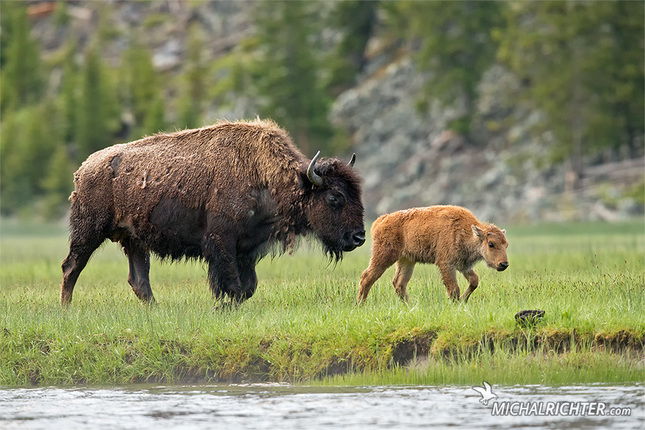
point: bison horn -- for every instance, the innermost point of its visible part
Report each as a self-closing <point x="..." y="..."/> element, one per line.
<point x="352" y="160"/>
<point x="311" y="175"/>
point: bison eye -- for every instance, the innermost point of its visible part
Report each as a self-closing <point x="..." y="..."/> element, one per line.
<point x="335" y="200"/>
<point x="490" y="245"/>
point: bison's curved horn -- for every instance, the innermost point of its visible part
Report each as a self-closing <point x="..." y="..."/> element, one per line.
<point x="311" y="175"/>
<point x="352" y="160"/>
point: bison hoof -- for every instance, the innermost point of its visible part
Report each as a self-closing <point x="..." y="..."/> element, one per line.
<point x="226" y="305"/>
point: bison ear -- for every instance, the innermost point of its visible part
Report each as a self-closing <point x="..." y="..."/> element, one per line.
<point x="478" y="232"/>
<point x="504" y="231"/>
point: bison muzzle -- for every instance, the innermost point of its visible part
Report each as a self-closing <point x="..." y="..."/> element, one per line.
<point x="227" y="194"/>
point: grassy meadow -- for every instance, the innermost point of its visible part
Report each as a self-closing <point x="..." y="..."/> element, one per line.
<point x="303" y="325"/>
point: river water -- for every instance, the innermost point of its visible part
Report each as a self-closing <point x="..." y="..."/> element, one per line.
<point x="278" y="406"/>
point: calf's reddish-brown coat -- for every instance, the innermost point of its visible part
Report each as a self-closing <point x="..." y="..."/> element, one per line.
<point x="448" y="236"/>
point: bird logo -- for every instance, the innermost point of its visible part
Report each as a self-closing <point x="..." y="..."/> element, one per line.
<point x="486" y="392"/>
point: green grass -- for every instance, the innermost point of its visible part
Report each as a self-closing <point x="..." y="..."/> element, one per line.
<point x="302" y="325"/>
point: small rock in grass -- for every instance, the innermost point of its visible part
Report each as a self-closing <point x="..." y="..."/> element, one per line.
<point x="529" y="317"/>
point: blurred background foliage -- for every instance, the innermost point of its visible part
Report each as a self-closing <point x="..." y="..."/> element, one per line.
<point x="580" y="63"/>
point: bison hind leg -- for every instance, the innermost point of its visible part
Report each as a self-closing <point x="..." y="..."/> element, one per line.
<point x="81" y="248"/>
<point x="404" y="269"/>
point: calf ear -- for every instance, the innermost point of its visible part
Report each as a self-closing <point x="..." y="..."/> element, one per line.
<point x="504" y="232"/>
<point x="477" y="231"/>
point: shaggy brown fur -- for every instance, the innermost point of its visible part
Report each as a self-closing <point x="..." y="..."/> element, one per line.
<point x="448" y="236"/>
<point x="223" y="193"/>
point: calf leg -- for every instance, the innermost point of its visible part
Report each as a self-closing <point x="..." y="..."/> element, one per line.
<point x="449" y="277"/>
<point x="404" y="269"/>
<point x="378" y="265"/>
<point x="138" y="278"/>
<point x="473" y="282"/>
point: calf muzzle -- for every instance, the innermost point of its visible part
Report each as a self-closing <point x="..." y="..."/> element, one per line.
<point x="502" y="266"/>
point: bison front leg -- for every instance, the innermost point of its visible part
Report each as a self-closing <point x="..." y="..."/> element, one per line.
<point x="248" y="278"/>
<point x="473" y="282"/>
<point x="139" y="276"/>
<point x="378" y="265"/>
<point x="449" y="277"/>
<point x="223" y="273"/>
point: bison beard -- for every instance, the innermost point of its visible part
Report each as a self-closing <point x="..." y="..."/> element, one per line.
<point x="226" y="193"/>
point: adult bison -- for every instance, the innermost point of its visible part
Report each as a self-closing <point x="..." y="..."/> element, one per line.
<point x="224" y="193"/>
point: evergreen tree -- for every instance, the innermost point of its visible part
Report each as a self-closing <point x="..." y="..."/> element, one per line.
<point x="28" y="139"/>
<point x="568" y="54"/>
<point x="356" y="19"/>
<point x="57" y="183"/>
<point x="142" y="88"/>
<point x="286" y="72"/>
<point x="22" y="82"/>
<point x="6" y="18"/>
<point x="69" y="92"/>
<point x="98" y="110"/>
<point x="622" y="94"/>
<point x="191" y="102"/>
<point x="155" y="117"/>
<point x="15" y="188"/>
<point x="455" y="46"/>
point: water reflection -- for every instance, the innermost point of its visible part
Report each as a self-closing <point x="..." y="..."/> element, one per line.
<point x="285" y="406"/>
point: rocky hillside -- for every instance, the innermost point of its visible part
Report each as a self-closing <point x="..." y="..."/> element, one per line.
<point x="410" y="158"/>
<point x="407" y="158"/>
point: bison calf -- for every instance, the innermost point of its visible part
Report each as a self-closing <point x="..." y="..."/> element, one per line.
<point x="448" y="236"/>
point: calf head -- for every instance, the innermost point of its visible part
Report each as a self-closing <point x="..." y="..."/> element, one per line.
<point x="492" y="246"/>
<point x="334" y="209"/>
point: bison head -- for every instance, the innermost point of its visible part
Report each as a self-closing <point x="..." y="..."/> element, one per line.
<point x="334" y="209"/>
<point x="493" y="244"/>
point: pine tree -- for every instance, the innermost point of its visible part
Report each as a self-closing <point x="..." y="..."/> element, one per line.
<point x="455" y="46"/>
<point x="286" y="72"/>
<point x="98" y="110"/>
<point x="356" y="19"/>
<point x="15" y="188"/>
<point x="22" y="82"/>
<point x="142" y="88"/>
<point x="57" y="182"/>
<point x="569" y="55"/>
<point x="28" y="139"/>
<point x="155" y="117"/>
<point x="622" y="93"/>
<point x="191" y="102"/>
<point x="69" y="92"/>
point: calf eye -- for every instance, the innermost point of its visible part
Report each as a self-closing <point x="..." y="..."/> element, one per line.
<point x="490" y="245"/>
